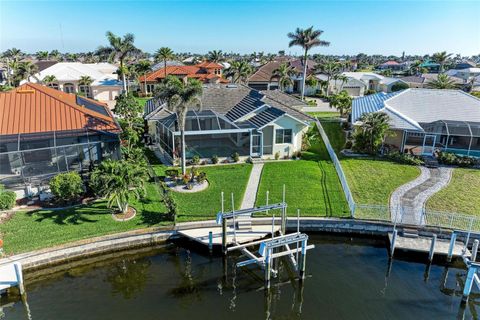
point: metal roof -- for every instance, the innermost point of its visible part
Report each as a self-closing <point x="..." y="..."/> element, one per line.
<point x="370" y="103"/>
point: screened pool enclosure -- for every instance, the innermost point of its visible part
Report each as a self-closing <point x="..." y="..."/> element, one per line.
<point x="460" y="137"/>
<point x="33" y="157"/>
<point x="208" y="133"/>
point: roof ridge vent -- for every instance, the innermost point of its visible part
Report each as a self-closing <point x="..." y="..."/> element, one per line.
<point x="26" y="91"/>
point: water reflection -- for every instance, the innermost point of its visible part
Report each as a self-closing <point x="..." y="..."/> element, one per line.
<point x="128" y="277"/>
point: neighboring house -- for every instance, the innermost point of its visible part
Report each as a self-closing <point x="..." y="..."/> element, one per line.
<point x="465" y="65"/>
<point x="421" y="81"/>
<point x="234" y="118"/>
<point x="465" y="74"/>
<point x="360" y="82"/>
<point x="431" y="66"/>
<point x="44" y="131"/>
<point x="44" y="64"/>
<point x="170" y="63"/>
<point x="427" y="120"/>
<point x="392" y="65"/>
<point x="263" y="78"/>
<point x="105" y="86"/>
<point x="206" y="72"/>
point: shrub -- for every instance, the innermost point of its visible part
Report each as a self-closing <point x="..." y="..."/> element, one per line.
<point x="277" y="155"/>
<point x="404" y="158"/>
<point x="399" y="86"/>
<point x="453" y="159"/>
<point x="194" y="171"/>
<point x="196" y="159"/>
<point x="249" y="160"/>
<point x="186" y="178"/>
<point x="7" y="199"/>
<point x="66" y="187"/>
<point x="236" y="157"/>
<point x="369" y="92"/>
<point x="202" y="177"/>
<point x="348" y="144"/>
<point x="215" y="159"/>
<point x="172" y="173"/>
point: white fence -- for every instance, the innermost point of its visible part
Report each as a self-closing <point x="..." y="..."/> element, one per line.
<point x="338" y="168"/>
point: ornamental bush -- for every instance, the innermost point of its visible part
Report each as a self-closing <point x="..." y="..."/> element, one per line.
<point x="405" y="158"/>
<point x="453" y="159"/>
<point x="66" y="187"/>
<point x="7" y="199"/>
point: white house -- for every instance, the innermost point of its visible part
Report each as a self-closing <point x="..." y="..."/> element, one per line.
<point x="234" y="118"/>
<point x="105" y="86"/>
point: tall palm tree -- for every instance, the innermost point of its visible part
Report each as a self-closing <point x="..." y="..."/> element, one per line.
<point x="164" y="54"/>
<point x="55" y="55"/>
<point x="142" y="68"/>
<point x="441" y="58"/>
<point x="239" y="71"/>
<point x="442" y="82"/>
<point x="180" y="97"/>
<point x="26" y="69"/>
<point x="119" y="49"/>
<point x="307" y="39"/>
<point x="49" y="80"/>
<point x="331" y="69"/>
<point x="42" y="55"/>
<point x="284" y="74"/>
<point x="215" y="56"/>
<point x="14" y="54"/>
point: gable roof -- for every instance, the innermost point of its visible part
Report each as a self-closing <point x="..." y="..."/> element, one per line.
<point x="33" y="108"/>
<point x="199" y="71"/>
<point x="265" y="72"/>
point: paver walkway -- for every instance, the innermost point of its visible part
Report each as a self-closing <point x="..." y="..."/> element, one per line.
<point x="411" y="197"/>
<point x="252" y="186"/>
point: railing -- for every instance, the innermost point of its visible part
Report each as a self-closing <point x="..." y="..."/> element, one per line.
<point x="338" y="168"/>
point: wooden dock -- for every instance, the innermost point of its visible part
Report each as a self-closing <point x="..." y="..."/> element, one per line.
<point x="256" y="232"/>
<point x="11" y="276"/>
<point x="423" y="244"/>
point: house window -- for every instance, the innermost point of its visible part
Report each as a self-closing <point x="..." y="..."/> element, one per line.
<point x="53" y="85"/>
<point x="69" y="88"/>
<point x="150" y="87"/>
<point x="85" y="90"/>
<point x="283" y="136"/>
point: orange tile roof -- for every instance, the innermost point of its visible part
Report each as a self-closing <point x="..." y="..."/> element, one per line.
<point x="34" y="108"/>
<point x="199" y="71"/>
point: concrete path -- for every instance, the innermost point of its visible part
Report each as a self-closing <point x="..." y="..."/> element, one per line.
<point x="252" y="186"/>
<point x="412" y="196"/>
<point x="321" y="106"/>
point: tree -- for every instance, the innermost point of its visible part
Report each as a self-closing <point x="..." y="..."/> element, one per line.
<point x="164" y="54"/>
<point x="84" y="84"/>
<point x="284" y="74"/>
<point x="181" y="97"/>
<point x="26" y="69"/>
<point x="342" y="102"/>
<point x="42" y="55"/>
<point x="55" y="55"/>
<point x="66" y="187"/>
<point x="49" y="79"/>
<point x="370" y="134"/>
<point x="441" y="58"/>
<point x="215" y="56"/>
<point x="142" y="68"/>
<point x="119" y="182"/>
<point x="239" y="71"/>
<point x="119" y="49"/>
<point x="330" y="69"/>
<point x="399" y="86"/>
<point x="307" y="39"/>
<point x="129" y="111"/>
<point x="442" y="82"/>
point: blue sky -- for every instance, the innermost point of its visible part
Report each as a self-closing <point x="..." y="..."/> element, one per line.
<point x="383" y="27"/>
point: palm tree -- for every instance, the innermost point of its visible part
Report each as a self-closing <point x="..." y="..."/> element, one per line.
<point x="14" y="54"/>
<point x="164" y="54"/>
<point x="342" y="102"/>
<point x="26" y="69"/>
<point x="442" y="82"/>
<point x="180" y="97"/>
<point x="55" y="54"/>
<point x="42" y="55"/>
<point x="331" y="69"/>
<point x="215" y="56"/>
<point x="49" y="80"/>
<point x="119" y="49"/>
<point x="142" y="68"/>
<point x="372" y="131"/>
<point x="307" y="39"/>
<point x="119" y="182"/>
<point x="84" y="85"/>
<point x="441" y="58"/>
<point x="284" y="74"/>
<point x="239" y="71"/>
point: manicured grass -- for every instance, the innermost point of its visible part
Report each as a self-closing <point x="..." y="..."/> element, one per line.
<point x="28" y="231"/>
<point x="462" y="195"/>
<point x="335" y="134"/>
<point x="373" y="181"/>
<point x="141" y="101"/>
<point x="206" y="204"/>
<point x="325" y="115"/>
<point x="311" y="184"/>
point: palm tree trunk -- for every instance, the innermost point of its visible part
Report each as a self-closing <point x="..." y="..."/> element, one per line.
<point x="184" y="160"/>
<point x="123" y="76"/>
<point x="304" y="74"/>
<point x="165" y="68"/>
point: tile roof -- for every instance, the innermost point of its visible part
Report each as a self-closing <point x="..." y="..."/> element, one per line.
<point x="33" y="108"/>
<point x="200" y="71"/>
<point x="265" y="72"/>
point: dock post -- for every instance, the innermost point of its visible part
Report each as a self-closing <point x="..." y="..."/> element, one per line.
<point x="432" y="248"/>
<point x="18" y="273"/>
<point x="210" y="242"/>
<point x="452" y="245"/>
<point x="392" y="244"/>
<point x="224" y="236"/>
<point x="268" y="268"/>
<point x="468" y="283"/>
<point x="303" y="260"/>
<point x="475" y="250"/>
<point x="284" y="213"/>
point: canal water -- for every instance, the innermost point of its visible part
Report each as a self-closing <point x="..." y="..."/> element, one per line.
<point x="348" y="278"/>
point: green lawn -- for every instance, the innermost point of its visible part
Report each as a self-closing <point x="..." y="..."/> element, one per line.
<point x="325" y="115"/>
<point x="28" y="231"/>
<point x="311" y="184"/>
<point x="141" y="101"/>
<point x="373" y="181"/>
<point x="462" y="195"/>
